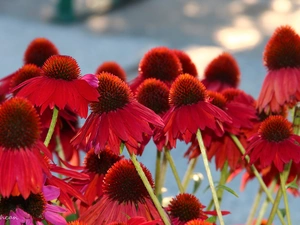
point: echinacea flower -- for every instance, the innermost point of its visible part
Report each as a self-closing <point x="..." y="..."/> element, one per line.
<point x="116" y="118"/>
<point x="222" y="73"/>
<point x="186" y="62"/>
<point x="198" y="222"/>
<point x="191" y="110"/>
<point x="59" y="86"/>
<point x="154" y="94"/>
<point x="185" y="207"/>
<point x="124" y="196"/>
<point x="38" y="51"/>
<point x="24" y="73"/>
<point x="34" y="209"/>
<point x="160" y="63"/>
<point x="274" y="143"/>
<point x="113" y="68"/>
<point x="282" y="82"/>
<point x="20" y="145"/>
<point x="138" y="220"/>
<point x="96" y="166"/>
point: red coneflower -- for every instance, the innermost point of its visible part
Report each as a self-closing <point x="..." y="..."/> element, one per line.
<point x="274" y="143"/>
<point x="185" y="207"/>
<point x="34" y="209"/>
<point x="198" y="222"/>
<point x="124" y="196"/>
<point x="116" y="118"/>
<point x="221" y="73"/>
<point x="187" y="64"/>
<point x="20" y="145"/>
<point x="38" y="51"/>
<point x="96" y="166"/>
<point x="282" y="82"/>
<point x="154" y="94"/>
<point x="26" y="72"/>
<point x="160" y="63"/>
<point x="59" y="86"/>
<point x="191" y="110"/>
<point x="113" y="68"/>
<point x="138" y="220"/>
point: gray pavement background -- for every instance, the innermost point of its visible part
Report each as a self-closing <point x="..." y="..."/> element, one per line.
<point x="202" y="28"/>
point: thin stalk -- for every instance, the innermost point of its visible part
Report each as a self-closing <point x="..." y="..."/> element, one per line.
<point x="52" y="126"/>
<point x="188" y="173"/>
<point x="164" y="167"/>
<point x="283" y="178"/>
<point x="265" y="205"/>
<point x="257" y="175"/>
<point x="149" y="189"/>
<point x="209" y="176"/>
<point x="157" y="172"/>
<point x="254" y="206"/>
<point x="275" y="207"/>
<point x="222" y="181"/>
<point x="174" y="170"/>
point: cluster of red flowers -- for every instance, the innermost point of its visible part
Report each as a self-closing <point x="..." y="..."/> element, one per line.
<point x="40" y="136"/>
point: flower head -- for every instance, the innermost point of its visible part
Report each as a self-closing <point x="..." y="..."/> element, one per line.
<point x="185" y="207"/>
<point x="113" y="68"/>
<point x="35" y="208"/>
<point x="274" y="143"/>
<point x="59" y="86"/>
<point x="186" y="62"/>
<point x="125" y="196"/>
<point x="282" y="59"/>
<point x="38" y="51"/>
<point x="198" y="222"/>
<point x="20" y="145"/>
<point x="25" y="73"/>
<point x="160" y="63"/>
<point x="96" y="166"/>
<point x="221" y="73"/>
<point x="190" y="110"/>
<point x="154" y="94"/>
<point x="116" y="118"/>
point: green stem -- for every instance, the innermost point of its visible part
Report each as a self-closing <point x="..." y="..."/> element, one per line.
<point x="188" y="173"/>
<point x="254" y="206"/>
<point x="52" y="126"/>
<point x="157" y="172"/>
<point x="142" y="175"/>
<point x="174" y="170"/>
<point x="257" y="175"/>
<point x="265" y="204"/>
<point x="164" y="167"/>
<point x="296" y="120"/>
<point x="222" y="181"/>
<point x="209" y="177"/>
<point x="275" y="207"/>
<point x="283" y="178"/>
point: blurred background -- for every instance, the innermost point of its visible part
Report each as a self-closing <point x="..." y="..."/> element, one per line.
<point x="94" y="31"/>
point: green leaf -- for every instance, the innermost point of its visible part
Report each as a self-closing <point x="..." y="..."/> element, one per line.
<point x="227" y="189"/>
<point x="283" y="212"/>
<point x="215" y="183"/>
<point x="212" y="219"/>
<point x="293" y="184"/>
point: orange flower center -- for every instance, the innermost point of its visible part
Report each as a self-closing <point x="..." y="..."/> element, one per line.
<point x="154" y="94"/>
<point x="186" y="207"/>
<point x="123" y="184"/>
<point x="114" y="94"/>
<point x="275" y="129"/>
<point x="61" y="67"/>
<point x="19" y="124"/>
<point x="187" y="90"/>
